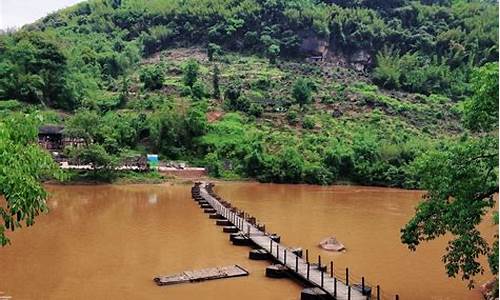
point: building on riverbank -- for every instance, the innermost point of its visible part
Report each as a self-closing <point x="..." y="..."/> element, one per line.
<point x="52" y="138"/>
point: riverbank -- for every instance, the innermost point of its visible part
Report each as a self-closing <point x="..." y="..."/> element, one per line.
<point x="85" y="177"/>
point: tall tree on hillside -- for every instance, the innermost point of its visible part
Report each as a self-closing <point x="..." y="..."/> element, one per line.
<point x="302" y="92"/>
<point x="461" y="178"/>
<point x="191" y="69"/>
<point x="215" y="81"/>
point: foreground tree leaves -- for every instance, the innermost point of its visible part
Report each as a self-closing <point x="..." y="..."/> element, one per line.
<point x="23" y="165"/>
<point x="461" y="178"/>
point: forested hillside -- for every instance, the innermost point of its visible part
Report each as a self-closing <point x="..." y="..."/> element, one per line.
<point x="283" y="91"/>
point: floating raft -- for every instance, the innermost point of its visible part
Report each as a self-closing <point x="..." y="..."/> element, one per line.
<point x="201" y="275"/>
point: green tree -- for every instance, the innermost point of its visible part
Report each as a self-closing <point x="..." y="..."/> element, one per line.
<point x="481" y="111"/>
<point x="255" y="110"/>
<point x="102" y="162"/>
<point x="198" y="91"/>
<point x="23" y="165"/>
<point x="191" y="69"/>
<point x="34" y="68"/>
<point x="388" y="69"/>
<point x="302" y="91"/>
<point x="83" y="124"/>
<point x="308" y="122"/>
<point x="273" y="51"/>
<point x="215" y="82"/>
<point x="213" y="50"/>
<point x="152" y="77"/>
<point x="461" y="178"/>
<point x="97" y="157"/>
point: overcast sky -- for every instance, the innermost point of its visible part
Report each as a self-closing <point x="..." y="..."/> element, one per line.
<point x="19" y="12"/>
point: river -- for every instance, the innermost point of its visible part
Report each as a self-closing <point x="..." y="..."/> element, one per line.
<point x="108" y="242"/>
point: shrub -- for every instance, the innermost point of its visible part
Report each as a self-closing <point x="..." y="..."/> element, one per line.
<point x="190" y="69"/>
<point x="213" y="50"/>
<point x="388" y="69"/>
<point x="292" y="117"/>
<point x="10" y="105"/>
<point x="152" y="77"/>
<point x="185" y="91"/>
<point x="198" y="91"/>
<point x="308" y="122"/>
<point x="242" y="103"/>
<point x="302" y="91"/>
<point x="255" y="110"/>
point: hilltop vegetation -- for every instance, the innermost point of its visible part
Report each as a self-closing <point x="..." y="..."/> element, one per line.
<point x="226" y="84"/>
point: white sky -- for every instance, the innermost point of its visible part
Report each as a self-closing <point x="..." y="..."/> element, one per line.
<point x="15" y="13"/>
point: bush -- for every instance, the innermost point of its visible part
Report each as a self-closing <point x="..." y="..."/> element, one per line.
<point x="308" y="122"/>
<point x="317" y="174"/>
<point x="293" y="117"/>
<point x="242" y="103"/>
<point x="255" y="110"/>
<point x="10" y="105"/>
<point x="213" y="50"/>
<point x="302" y="91"/>
<point x="152" y="77"/>
<point x="214" y="165"/>
<point x="198" y="91"/>
<point x="387" y="73"/>
<point x="262" y="83"/>
<point x="190" y="69"/>
<point x="185" y="91"/>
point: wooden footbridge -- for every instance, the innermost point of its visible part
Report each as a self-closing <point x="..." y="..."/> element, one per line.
<point x="315" y="275"/>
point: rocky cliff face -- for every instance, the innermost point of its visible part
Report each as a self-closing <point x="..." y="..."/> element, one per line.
<point x="360" y="60"/>
<point x="319" y="48"/>
<point x="314" y="46"/>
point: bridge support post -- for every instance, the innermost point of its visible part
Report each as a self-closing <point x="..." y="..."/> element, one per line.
<point x="397" y="297"/>
<point x="363" y="285"/>
<point x="349" y="293"/>
<point x="307" y="255"/>
<point x="284" y="253"/>
<point x="319" y="262"/>
<point x="331" y="268"/>
<point x="346" y="276"/>
<point x="378" y="292"/>
<point x="278" y="252"/>
<point x="296" y="264"/>
<point x="308" y="266"/>
<point x="322" y="275"/>
<point x="271" y="246"/>
<point x="335" y="288"/>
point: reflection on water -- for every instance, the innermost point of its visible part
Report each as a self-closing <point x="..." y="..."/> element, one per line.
<point x="102" y="242"/>
<point x="152" y="198"/>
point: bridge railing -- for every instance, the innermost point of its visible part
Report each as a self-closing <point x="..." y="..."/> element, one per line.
<point x="344" y="276"/>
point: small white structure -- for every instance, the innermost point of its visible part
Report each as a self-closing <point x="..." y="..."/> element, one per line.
<point x="331" y="244"/>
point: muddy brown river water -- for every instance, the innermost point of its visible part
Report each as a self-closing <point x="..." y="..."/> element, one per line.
<point x="108" y="242"/>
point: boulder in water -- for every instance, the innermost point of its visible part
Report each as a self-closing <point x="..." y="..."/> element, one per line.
<point x="331" y="244"/>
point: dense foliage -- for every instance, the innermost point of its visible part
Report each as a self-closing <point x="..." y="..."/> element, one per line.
<point x="86" y="59"/>
<point x="418" y="46"/>
<point x="461" y="177"/>
<point x="24" y="165"/>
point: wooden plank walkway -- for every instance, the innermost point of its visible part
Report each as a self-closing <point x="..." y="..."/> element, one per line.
<point x="201" y="275"/>
<point x="335" y="288"/>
